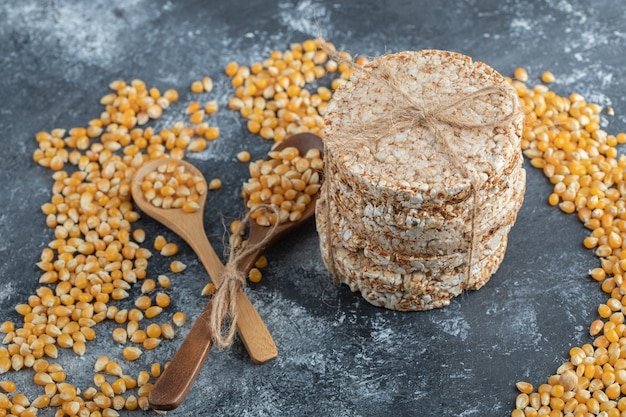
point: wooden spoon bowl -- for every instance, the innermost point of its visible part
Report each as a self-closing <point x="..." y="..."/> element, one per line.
<point x="303" y="142"/>
<point x="176" y="381"/>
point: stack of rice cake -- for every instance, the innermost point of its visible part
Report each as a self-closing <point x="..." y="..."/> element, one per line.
<point x="407" y="220"/>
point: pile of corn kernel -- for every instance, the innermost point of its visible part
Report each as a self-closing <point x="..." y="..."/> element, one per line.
<point x="287" y="180"/>
<point x="171" y="186"/>
<point x="562" y="136"/>
<point x="275" y="96"/>
<point x="96" y="257"/>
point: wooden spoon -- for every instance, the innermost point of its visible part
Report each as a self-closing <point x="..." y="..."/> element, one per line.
<point x="303" y="142"/>
<point x="176" y="381"/>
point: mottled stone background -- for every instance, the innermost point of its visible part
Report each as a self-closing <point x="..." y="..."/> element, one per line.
<point x="339" y="356"/>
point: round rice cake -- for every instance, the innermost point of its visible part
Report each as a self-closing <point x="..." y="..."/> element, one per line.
<point x="392" y="189"/>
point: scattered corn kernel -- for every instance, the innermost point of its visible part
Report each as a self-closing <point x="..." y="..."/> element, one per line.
<point x="197" y="87"/>
<point x="164" y="281"/>
<point x="177" y="266"/>
<point x="243" y="156"/>
<point x="547" y="77"/>
<point x="179" y="318"/>
<point x="215" y="184"/>
<point x="211" y="107"/>
<point x="132" y="353"/>
<point x="120" y="335"/>
<point x="169" y="249"/>
<point x="162" y="300"/>
<point x="261" y="262"/>
<point x="271" y="94"/>
<point x="153" y="311"/>
<point x="255" y="275"/>
<point x="520" y="74"/>
<point x="562" y="136"/>
<point x="209" y="289"/>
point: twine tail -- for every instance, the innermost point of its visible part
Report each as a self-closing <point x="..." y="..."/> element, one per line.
<point x="225" y="305"/>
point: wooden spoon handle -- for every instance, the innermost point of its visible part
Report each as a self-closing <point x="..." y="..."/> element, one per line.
<point x="252" y="330"/>
<point x="253" y="333"/>
<point x="176" y="380"/>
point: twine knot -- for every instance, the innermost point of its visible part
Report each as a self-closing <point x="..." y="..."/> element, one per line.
<point x="224" y="301"/>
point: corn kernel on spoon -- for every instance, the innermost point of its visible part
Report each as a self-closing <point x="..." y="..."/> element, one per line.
<point x="303" y="142"/>
<point x="176" y="381"/>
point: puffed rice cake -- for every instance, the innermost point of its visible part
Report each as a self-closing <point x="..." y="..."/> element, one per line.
<point x="402" y="214"/>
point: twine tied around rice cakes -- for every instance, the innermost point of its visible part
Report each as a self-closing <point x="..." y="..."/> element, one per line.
<point x="224" y="301"/>
<point x="408" y="113"/>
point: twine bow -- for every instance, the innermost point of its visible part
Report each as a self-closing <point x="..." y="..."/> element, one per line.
<point x="224" y="300"/>
<point x="409" y="113"/>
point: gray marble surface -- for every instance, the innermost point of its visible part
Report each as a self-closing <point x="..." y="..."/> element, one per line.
<point x="339" y="356"/>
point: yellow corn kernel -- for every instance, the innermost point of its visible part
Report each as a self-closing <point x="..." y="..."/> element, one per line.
<point x="151" y="343"/>
<point x="155" y="369"/>
<point x="212" y="133"/>
<point x="7" y="327"/>
<point x="596" y="327"/>
<point x="159" y="242"/>
<point x="524" y="387"/>
<point x="5" y="402"/>
<point x="41" y="401"/>
<point x="79" y="348"/>
<point x="117" y="403"/>
<point x="101" y="363"/>
<point x="177" y="266"/>
<point x="197" y="117"/>
<point x="197" y="145"/>
<point x="598" y="274"/>
<point x="148" y="285"/>
<point x="590" y="242"/>
<point x="131" y="403"/>
<point x="604" y="311"/>
<point x="255" y="275"/>
<point x="520" y="74"/>
<point x="42" y="378"/>
<point x="215" y="184"/>
<point x="211" y="107"/>
<point x="112" y="368"/>
<point x="164" y="281"/>
<point x="143" y="302"/>
<point x="169" y="249"/>
<point x="167" y="331"/>
<point x="197" y="87"/>
<point x="253" y="126"/>
<point x="7" y="386"/>
<point x="208" y="289"/>
<point x="138" y="336"/>
<point x="171" y="95"/>
<point x="139" y="235"/>
<point x="162" y="300"/>
<point x="143" y="378"/>
<point x="153" y="312"/>
<point x="153" y="330"/>
<point x="547" y="77"/>
<point x="179" y="318"/>
<point x="243" y="156"/>
<point x="231" y="69"/>
<point x="119" y="335"/>
<point x="132" y="353"/>
<point x="261" y="262"/>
